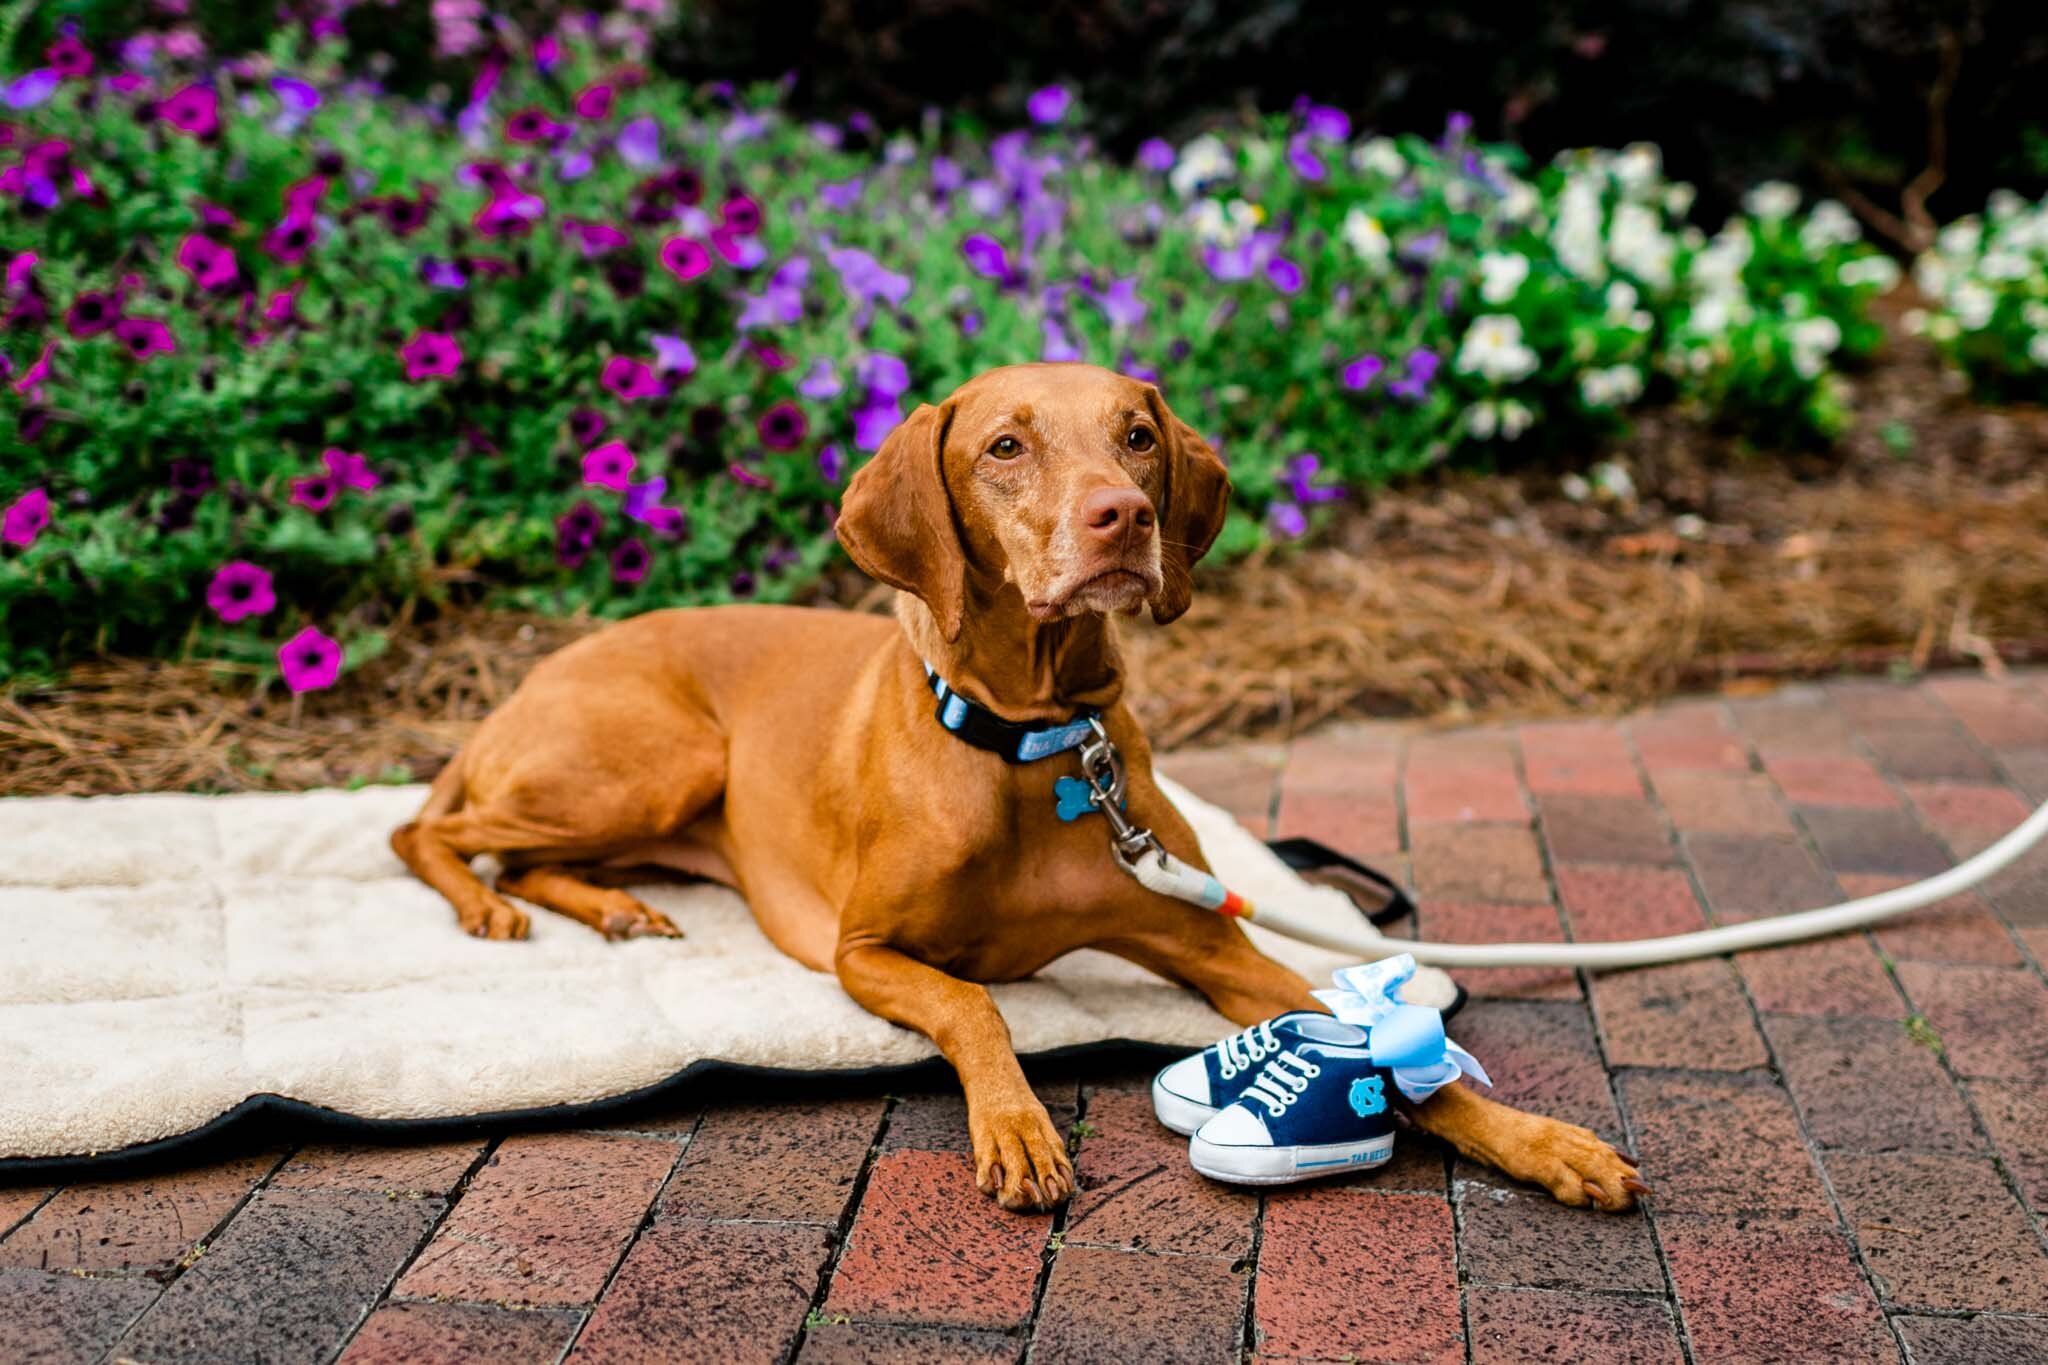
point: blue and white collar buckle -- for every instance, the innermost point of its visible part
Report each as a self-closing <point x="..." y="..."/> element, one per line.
<point x="1012" y="741"/>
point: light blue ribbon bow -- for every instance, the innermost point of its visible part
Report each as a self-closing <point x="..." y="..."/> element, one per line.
<point x="1408" y="1040"/>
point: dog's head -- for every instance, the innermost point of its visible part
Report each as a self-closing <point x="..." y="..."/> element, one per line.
<point x="1075" y="484"/>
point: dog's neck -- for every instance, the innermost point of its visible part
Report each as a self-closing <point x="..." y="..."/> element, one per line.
<point x="1020" y="668"/>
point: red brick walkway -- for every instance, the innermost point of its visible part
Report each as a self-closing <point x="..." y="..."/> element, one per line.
<point x="1849" y="1139"/>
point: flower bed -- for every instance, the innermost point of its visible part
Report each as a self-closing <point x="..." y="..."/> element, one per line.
<point x="285" y="353"/>
<point x="1986" y="283"/>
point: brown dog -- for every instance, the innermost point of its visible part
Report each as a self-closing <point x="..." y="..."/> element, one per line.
<point x="795" y="756"/>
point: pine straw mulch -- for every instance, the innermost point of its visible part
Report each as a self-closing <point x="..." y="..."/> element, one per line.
<point x="1923" y="543"/>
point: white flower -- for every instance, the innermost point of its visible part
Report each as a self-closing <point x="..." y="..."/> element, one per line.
<point x="1960" y="238"/>
<point x="1504" y="418"/>
<point x="1380" y="156"/>
<point x="2004" y="265"/>
<point x="1201" y="161"/>
<point x="2035" y="314"/>
<point x="2005" y="204"/>
<point x="1502" y="273"/>
<point x="1518" y="204"/>
<point x="1494" y="349"/>
<point x="1575" y="487"/>
<point x="1930" y="276"/>
<point x="1678" y="197"/>
<point x="1637" y="168"/>
<point x="1972" y="304"/>
<point x="1914" y="322"/>
<point x="1770" y="201"/>
<point x="1611" y="387"/>
<point x="1613" y="481"/>
<point x="1460" y="196"/>
<point x="1718" y="266"/>
<point x="1225" y="225"/>
<point x="1813" y="341"/>
<point x="1638" y="244"/>
<point x="1363" y="234"/>
<point x="1829" y="225"/>
<point x="2037" y="349"/>
<point x="1576" y="238"/>
<point x="1880" y="271"/>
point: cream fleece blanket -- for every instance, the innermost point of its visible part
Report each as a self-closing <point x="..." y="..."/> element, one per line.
<point x="163" y="958"/>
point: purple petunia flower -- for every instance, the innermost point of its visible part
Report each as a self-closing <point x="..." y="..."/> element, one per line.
<point x="1421" y="370"/>
<point x="672" y="355"/>
<point x="191" y="478"/>
<point x="69" y="58"/>
<point x="309" y="660"/>
<point x="1326" y="124"/>
<point x="25" y="518"/>
<point x="1360" y="371"/>
<point x="145" y="337"/>
<point x="874" y="420"/>
<point x="575" y="532"/>
<point x="737" y="250"/>
<point x="643" y="504"/>
<point x="585" y="426"/>
<point x="743" y="475"/>
<point x="532" y="125"/>
<point x="841" y="196"/>
<point x="1048" y="105"/>
<point x="608" y="466"/>
<point x="1303" y="160"/>
<point x="639" y="143"/>
<point x="31" y="380"/>
<point x="1300" y="475"/>
<point x="1156" y="154"/>
<point x="296" y="96"/>
<point x="883" y="375"/>
<point x="1287" y="519"/>
<point x="194" y="109"/>
<point x="430" y="355"/>
<point x="986" y="257"/>
<point x="685" y="258"/>
<point x="631" y="561"/>
<point x="440" y="274"/>
<point x="240" y="589"/>
<point x="631" y="380"/>
<point x="211" y="265"/>
<point x="831" y="462"/>
<point x="291" y="239"/>
<point x="349" y="470"/>
<point x="593" y="102"/>
<point x="866" y="279"/>
<point x="1120" y="302"/>
<point x="315" y="492"/>
<point x="820" y="381"/>
<point x="783" y="427"/>
<point x="1284" y="275"/>
<point x="91" y="313"/>
<point x="26" y="92"/>
<point x="740" y="213"/>
<point x="1058" y="345"/>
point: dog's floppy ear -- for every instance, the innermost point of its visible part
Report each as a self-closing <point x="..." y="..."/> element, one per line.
<point x="896" y="519"/>
<point x="1192" y="504"/>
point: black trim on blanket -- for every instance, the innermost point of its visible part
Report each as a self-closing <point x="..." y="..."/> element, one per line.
<point x="1317" y="862"/>
<point x="260" y="1114"/>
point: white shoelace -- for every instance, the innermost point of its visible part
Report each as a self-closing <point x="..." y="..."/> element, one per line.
<point x="1277" y="1087"/>
<point x="1243" y="1051"/>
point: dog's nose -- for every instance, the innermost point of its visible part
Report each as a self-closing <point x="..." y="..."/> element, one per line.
<point x="1112" y="513"/>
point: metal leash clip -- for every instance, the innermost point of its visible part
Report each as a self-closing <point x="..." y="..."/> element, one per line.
<point x="1103" y="767"/>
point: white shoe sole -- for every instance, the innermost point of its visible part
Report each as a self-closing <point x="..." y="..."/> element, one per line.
<point x="1285" y="1165"/>
<point x="1178" y="1112"/>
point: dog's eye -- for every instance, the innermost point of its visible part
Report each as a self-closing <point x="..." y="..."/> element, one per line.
<point x="1005" y="448"/>
<point x="1140" y="439"/>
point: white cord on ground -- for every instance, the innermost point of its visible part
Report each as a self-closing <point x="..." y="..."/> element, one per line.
<point x="1762" y="933"/>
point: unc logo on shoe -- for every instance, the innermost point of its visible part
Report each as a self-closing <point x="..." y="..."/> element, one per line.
<point x="1368" y="1096"/>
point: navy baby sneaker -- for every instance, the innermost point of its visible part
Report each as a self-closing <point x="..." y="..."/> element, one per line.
<point x="1188" y="1093"/>
<point x="1313" y="1109"/>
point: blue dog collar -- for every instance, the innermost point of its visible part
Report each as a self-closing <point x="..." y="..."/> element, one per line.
<point x="1012" y="741"/>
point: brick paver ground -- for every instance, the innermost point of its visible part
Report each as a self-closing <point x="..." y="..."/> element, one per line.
<point x="1848" y="1140"/>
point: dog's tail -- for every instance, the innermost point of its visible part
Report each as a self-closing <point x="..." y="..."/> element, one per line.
<point x="445" y="796"/>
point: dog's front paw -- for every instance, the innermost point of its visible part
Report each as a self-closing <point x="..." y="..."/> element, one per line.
<point x="1578" y="1167"/>
<point x="1019" y="1157"/>
<point x="492" y="916"/>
